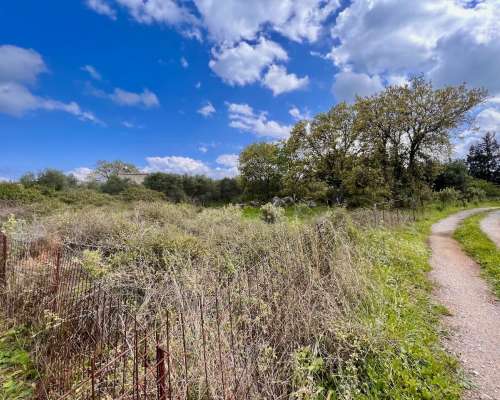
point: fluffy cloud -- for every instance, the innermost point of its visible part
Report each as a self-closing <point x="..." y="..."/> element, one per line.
<point x="243" y="117"/>
<point x="4" y="179"/>
<point x="146" y="99"/>
<point x="297" y="114"/>
<point x="243" y="64"/>
<point x="233" y="20"/>
<point x="450" y="41"/>
<point x="207" y="110"/>
<point x="20" y="65"/>
<point x="188" y="166"/>
<point x="184" y="63"/>
<point x="348" y="84"/>
<point x="228" y="160"/>
<point x="82" y="174"/>
<point x="176" y="165"/>
<point x="101" y="7"/>
<point x="279" y="81"/>
<point x="16" y="100"/>
<point x="92" y="72"/>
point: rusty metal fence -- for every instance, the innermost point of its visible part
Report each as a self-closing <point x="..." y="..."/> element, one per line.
<point x="91" y="345"/>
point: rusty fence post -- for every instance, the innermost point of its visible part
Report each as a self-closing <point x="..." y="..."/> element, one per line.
<point x="3" y="262"/>
<point x="161" y="373"/>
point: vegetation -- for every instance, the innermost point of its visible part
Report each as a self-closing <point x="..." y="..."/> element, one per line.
<point x="356" y="314"/>
<point x="383" y="148"/>
<point x="16" y="370"/>
<point x="483" y="159"/>
<point x="481" y="249"/>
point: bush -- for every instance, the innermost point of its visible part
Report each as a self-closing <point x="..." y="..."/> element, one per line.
<point x="448" y="196"/>
<point x="272" y="214"/>
<point x="140" y="193"/>
<point x="13" y="192"/>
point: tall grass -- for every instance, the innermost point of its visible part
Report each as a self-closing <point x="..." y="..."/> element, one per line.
<point x="331" y="307"/>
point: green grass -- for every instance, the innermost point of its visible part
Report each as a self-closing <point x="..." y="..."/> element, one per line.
<point x="481" y="249"/>
<point x="16" y="370"/>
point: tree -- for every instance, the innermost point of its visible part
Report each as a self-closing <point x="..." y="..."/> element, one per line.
<point x="260" y="170"/>
<point x="115" y="185"/>
<point x="55" y="180"/>
<point x="454" y="175"/>
<point x="106" y="169"/>
<point x="229" y="190"/>
<point x="483" y="159"/>
<point x="322" y="150"/>
<point x="169" y="184"/>
<point x="406" y="126"/>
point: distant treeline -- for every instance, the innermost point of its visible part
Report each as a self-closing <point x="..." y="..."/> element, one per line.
<point x="390" y="148"/>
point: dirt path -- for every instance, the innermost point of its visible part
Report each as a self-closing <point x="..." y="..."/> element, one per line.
<point x="491" y="226"/>
<point x="475" y="313"/>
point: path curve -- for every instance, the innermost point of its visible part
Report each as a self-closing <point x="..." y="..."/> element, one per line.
<point x="491" y="226"/>
<point x="474" y="322"/>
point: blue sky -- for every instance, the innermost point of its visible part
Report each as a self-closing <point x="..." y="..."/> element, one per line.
<point x="181" y="86"/>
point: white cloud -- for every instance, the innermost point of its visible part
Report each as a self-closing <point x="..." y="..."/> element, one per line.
<point x="207" y="110"/>
<point x="450" y="41"/>
<point x="176" y="165"/>
<point x="243" y="117"/>
<point x="228" y="160"/>
<point x="17" y="100"/>
<point x="279" y="81"/>
<point x="82" y="174"/>
<point x="122" y="97"/>
<point x="4" y="179"/>
<point x="131" y="125"/>
<point x="167" y="12"/>
<point x="203" y="149"/>
<point x="20" y="65"/>
<point x="101" y="7"/>
<point x="348" y="84"/>
<point x="243" y="64"/>
<point x="92" y="72"/>
<point x="198" y="85"/>
<point x="184" y="63"/>
<point x="233" y="20"/>
<point x="297" y="114"/>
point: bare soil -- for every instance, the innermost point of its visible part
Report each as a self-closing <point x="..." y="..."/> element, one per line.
<point x="474" y="320"/>
<point x="491" y="226"/>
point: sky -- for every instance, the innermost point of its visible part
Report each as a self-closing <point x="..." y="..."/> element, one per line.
<point x="183" y="85"/>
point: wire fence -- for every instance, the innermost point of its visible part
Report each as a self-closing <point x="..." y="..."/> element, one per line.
<point x="202" y="341"/>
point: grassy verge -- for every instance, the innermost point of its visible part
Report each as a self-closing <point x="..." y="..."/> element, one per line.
<point x="481" y="249"/>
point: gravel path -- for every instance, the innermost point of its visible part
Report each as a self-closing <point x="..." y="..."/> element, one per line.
<point x="491" y="226"/>
<point x="474" y="323"/>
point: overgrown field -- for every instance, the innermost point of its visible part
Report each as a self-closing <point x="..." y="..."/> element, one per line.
<point x="475" y="242"/>
<point x="333" y="309"/>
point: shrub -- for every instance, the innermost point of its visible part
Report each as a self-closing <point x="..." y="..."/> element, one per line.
<point x="13" y="192"/>
<point x="448" y="196"/>
<point x="272" y="214"/>
<point x="140" y="193"/>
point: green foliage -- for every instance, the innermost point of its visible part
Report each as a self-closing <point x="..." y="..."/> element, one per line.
<point x="140" y="193"/>
<point x="197" y="189"/>
<point x="16" y="370"/>
<point x="382" y="147"/>
<point x="483" y="159"/>
<point x="481" y="249"/>
<point x="81" y="196"/>
<point x="448" y="197"/>
<point x="259" y="166"/>
<point x="13" y="192"/>
<point x="454" y="175"/>
<point x="272" y="214"/>
<point x="115" y="185"/>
